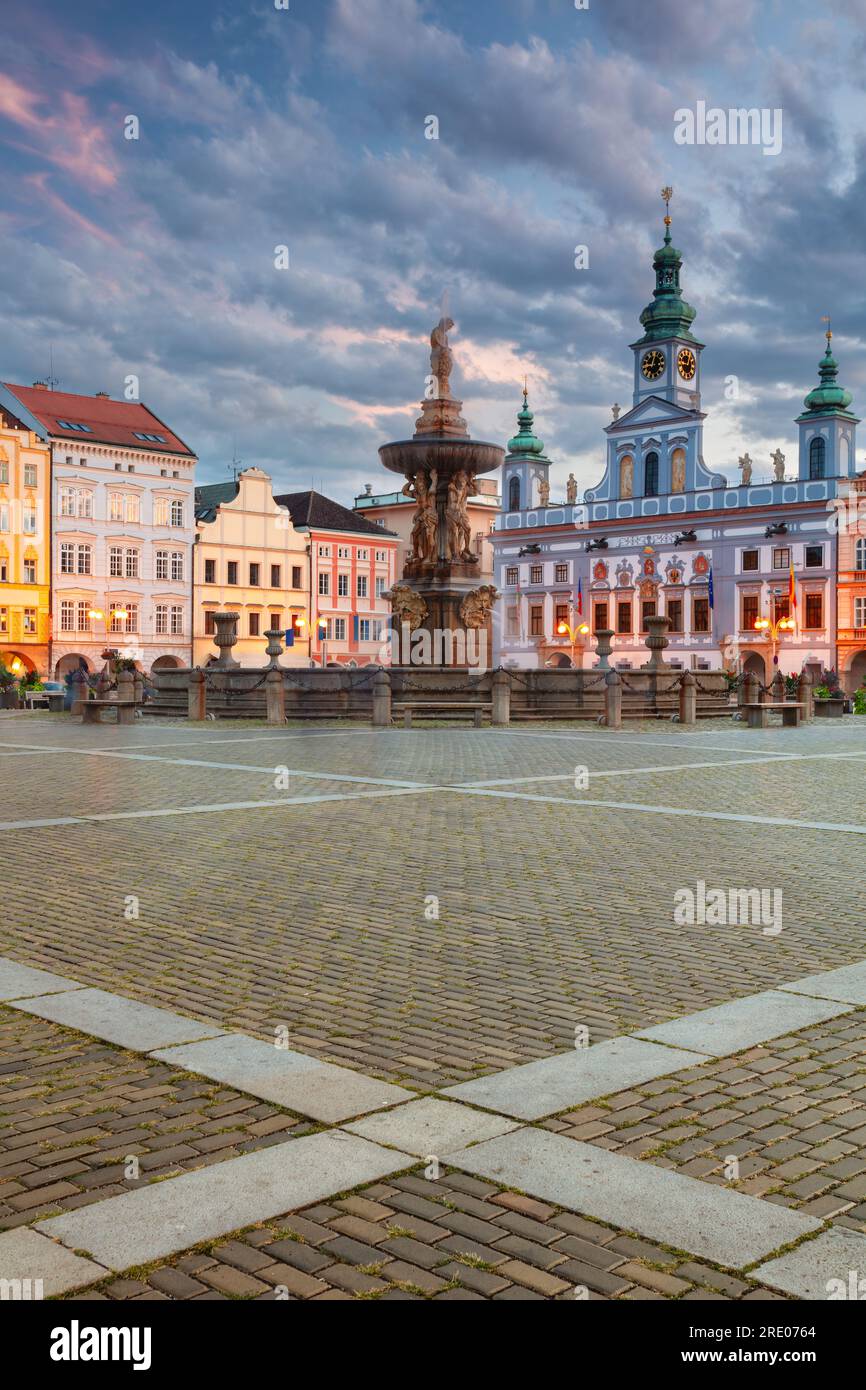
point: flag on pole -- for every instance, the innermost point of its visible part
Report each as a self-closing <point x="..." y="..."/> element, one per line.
<point x="792" y="591"/>
<point x="711" y="590"/>
<point x="580" y="597"/>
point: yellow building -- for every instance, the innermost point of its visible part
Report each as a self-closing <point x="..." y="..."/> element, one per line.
<point x="25" y="549"/>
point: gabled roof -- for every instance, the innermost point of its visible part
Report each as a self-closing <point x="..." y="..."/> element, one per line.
<point x="56" y="413"/>
<point x="211" y="496"/>
<point x="650" y="409"/>
<point x="318" y="513"/>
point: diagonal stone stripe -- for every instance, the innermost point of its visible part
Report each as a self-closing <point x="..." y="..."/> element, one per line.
<point x="743" y="1023"/>
<point x="572" y="1078"/>
<point x="26" y="1254"/>
<point x="727" y="1227"/>
<point x="430" y="1127"/>
<point x="19" y="981"/>
<point x="848" y="983"/>
<point x="124" y="1022"/>
<point x="319" y="1089"/>
<point x="170" y="1216"/>
<point x="808" y="1271"/>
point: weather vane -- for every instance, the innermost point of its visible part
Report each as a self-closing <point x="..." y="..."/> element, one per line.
<point x="825" y="318"/>
<point x="667" y="194"/>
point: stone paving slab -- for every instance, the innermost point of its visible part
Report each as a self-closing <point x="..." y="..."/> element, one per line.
<point x="20" y="981"/>
<point x="431" y="1127"/>
<point x="732" y="1229"/>
<point x="848" y="983"/>
<point x="291" y="1079"/>
<point x="744" y="1022"/>
<point x="554" y="1083"/>
<point x="821" y="1268"/>
<point x="160" y="1220"/>
<point x="125" y="1022"/>
<point x="25" y="1254"/>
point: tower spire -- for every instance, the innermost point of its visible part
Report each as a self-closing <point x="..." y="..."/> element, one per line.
<point x="669" y="316"/>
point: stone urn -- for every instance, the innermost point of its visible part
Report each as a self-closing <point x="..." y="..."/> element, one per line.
<point x="657" y="640"/>
<point x="274" y="648"/>
<point x="603" y="647"/>
<point x="225" y="637"/>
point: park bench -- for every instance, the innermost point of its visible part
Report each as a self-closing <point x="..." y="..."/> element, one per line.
<point x="409" y="707"/>
<point x="50" y="696"/>
<point x="758" y="713"/>
<point x="92" y="710"/>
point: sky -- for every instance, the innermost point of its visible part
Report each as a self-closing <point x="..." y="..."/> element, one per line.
<point x="305" y="127"/>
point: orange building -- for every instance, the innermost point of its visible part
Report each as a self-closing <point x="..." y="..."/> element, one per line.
<point x="851" y="587"/>
<point x="25" y="548"/>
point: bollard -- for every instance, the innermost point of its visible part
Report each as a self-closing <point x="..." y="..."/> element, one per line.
<point x="197" y="695"/>
<point x="777" y="688"/>
<point x="138" y="689"/>
<point x="407" y="719"/>
<point x="806" y="695"/>
<point x="275" y="698"/>
<point x="688" y="698"/>
<point x="613" y="700"/>
<point x="125" y="697"/>
<point x="80" y="693"/>
<point x="501" y="688"/>
<point x="382" y="701"/>
<point x="751" y="692"/>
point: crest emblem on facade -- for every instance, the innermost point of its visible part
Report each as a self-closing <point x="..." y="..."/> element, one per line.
<point x="600" y="570"/>
<point x="702" y="564"/>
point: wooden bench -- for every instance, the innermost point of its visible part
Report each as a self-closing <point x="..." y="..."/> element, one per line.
<point x="92" y="710"/>
<point x="758" y="714"/>
<point x="408" y="707"/>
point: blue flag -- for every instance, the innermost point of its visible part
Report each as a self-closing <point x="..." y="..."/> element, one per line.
<point x="712" y="594"/>
<point x="290" y="636"/>
<point x="355" y="621"/>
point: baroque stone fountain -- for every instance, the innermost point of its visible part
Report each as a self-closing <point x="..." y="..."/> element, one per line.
<point x="439" y="590"/>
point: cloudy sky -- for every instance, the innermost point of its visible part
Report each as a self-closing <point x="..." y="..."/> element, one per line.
<point x="304" y="127"/>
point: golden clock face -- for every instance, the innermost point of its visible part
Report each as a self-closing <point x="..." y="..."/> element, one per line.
<point x="686" y="364"/>
<point x="653" y="364"/>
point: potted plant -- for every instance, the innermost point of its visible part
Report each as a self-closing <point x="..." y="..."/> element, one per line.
<point x="8" y="689"/>
<point x="830" y="700"/>
<point x="860" y="700"/>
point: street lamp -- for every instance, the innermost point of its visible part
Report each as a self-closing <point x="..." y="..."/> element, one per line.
<point x="773" y="627"/>
<point x="565" y="629"/>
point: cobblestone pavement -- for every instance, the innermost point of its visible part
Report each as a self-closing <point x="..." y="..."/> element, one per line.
<point x="73" y="1111"/>
<point x="413" y="1237"/>
<point x="318" y="915"/>
<point x="792" y="1113"/>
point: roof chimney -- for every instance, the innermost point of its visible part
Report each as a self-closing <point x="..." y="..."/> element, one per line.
<point x="368" y="489"/>
<point x="40" y="386"/>
<point x="103" y="395"/>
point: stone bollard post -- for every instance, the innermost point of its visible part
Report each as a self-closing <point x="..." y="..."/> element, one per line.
<point x="688" y="698"/>
<point x="80" y="693"/>
<point x="103" y="685"/>
<point x="777" y="688"/>
<point x="501" y="690"/>
<point x="806" y="695"/>
<point x="382" y="701"/>
<point x="138" y="689"/>
<point x="197" y="695"/>
<point x="125" y="685"/>
<point x="275" y="696"/>
<point x="613" y="700"/>
<point x="750" y="689"/>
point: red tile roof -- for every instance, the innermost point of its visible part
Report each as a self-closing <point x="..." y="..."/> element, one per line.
<point x="108" y="421"/>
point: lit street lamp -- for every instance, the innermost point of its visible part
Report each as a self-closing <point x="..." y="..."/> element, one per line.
<point x="565" y="629"/>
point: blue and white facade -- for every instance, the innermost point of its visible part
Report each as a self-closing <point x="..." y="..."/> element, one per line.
<point x="664" y="533"/>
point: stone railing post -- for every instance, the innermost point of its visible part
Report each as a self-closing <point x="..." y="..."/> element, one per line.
<point x="382" y="701"/>
<point x="125" y="685"/>
<point x="777" y="687"/>
<point x="750" y="689"/>
<point x="613" y="700"/>
<point x="79" y="692"/>
<point x="138" y="689"/>
<point x="275" y="696"/>
<point x="197" y="695"/>
<point x="688" y="698"/>
<point x="806" y="695"/>
<point x="501" y="691"/>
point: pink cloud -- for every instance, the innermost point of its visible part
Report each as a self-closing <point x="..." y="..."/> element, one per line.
<point x="39" y="182"/>
<point x="70" y="138"/>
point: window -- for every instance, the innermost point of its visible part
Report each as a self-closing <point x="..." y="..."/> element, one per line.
<point x="176" y="620"/>
<point x="177" y="566"/>
<point x="83" y="502"/>
<point x="781" y="557"/>
<point x="30" y="621"/>
<point x="29" y="571"/>
<point x="817" y="458"/>
<point x="511" y="574"/>
<point x="30" y="476"/>
<point x="4" y="471"/>
<point x="177" y="514"/>
<point x="296" y="576"/>
<point x="276" y="576"/>
<point x="160" y="511"/>
<point x="647" y="610"/>
<point x="599" y="616"/>
<point x="381" y="557"/>
<point x="254" y="624"/>
<point x="511" y="622"/>
<point x="324" y="552"/>
<point x="4" y="516"/>
<point x="124" y="563"/>
<point x="209" y="624"/>
<point x="68" y="497"/>
<point x="115" y="562"/>
<point x="362" y="586"/>
<point x="651" y="475"/>
<point x="255" y="571"/>
<point x="381" y="586"/>
<point x="84" y="559"/>
<point x="67" y="615"/>
<point x="750" y="559"/>
<point x="814" y="610"/>
<point x="161" y="619"/>
<point x="150" y="438"/>
<point x="536" y="573"/>
<point x="162" y="564"/>
<point x="364" y="630"/>
<point x="860" y="555"/>
<point x="701" y="615"/>
<point x="514" y="495"/>
<point x="29" y="518"/>
<point x="339" y="629"/>
<point x="83" y="617"/>
<point x="623" y="617"/>
<point x="342" y="585"/>
<point x="131" y="564"/>
<point x="536" y="620"/>
<point x="561" y="574"/>
<point x="363" y="554"/>
<point x="324" y="583"/>
<point x="73" y="425"/>
<point x="276" y="622"/>
<point x="860" y="611"/>
<point x="343" y="552"/>
<point x="781" y="607"/>
<point x="210" y="571"/>
<point x="4" y="619"/>
<point x="123" y="508"/>
<point x="232" y="572"/>
<point x="4" y="572"/>
<point x="674" y="608"/>
<point x="814" y="556"/>
<point x="67" y="557"/>
<point x="749" y="612"/>
<point x="560" y="615"/>
<point x="127" y="624"/>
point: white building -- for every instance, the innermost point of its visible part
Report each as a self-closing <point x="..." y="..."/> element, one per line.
<point x="123" y="526"/>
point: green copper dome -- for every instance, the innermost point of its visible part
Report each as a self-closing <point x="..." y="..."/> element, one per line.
<point x="668" y="316"/>
<point x="828" y="397"/>
<point x="525" y="442"/>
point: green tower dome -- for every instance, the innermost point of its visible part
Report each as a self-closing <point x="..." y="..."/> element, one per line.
<point x="525" y="443"/>
<point x="668" y="316"/>
<point x="829" y="396"/>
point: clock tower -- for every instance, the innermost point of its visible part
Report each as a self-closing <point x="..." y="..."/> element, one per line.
<point x="667" y="359"/>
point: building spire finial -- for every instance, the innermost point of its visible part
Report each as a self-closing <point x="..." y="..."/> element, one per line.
<point x="667" y="194"/>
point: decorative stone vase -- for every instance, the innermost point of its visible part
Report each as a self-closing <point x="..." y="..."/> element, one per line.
<point x="656" y="640"/>
<point x="603" y="647"/>
<point x="275" y="647"/>
<point x="225" y="637"/>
